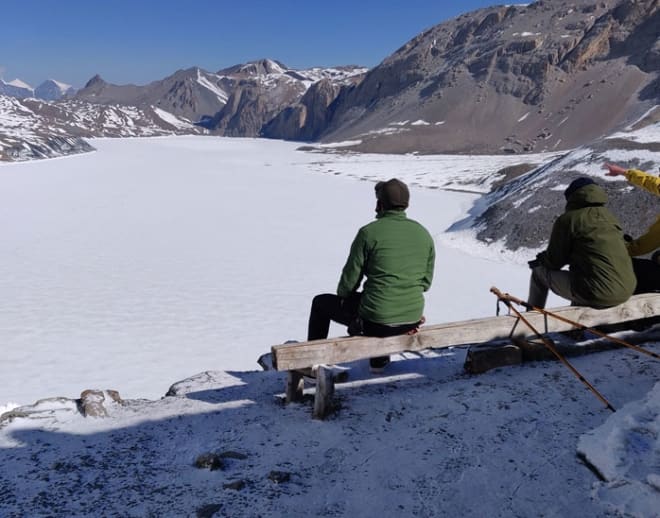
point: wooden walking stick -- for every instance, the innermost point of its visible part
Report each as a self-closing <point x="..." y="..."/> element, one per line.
<point x="504" y="298"/>
<point x="614" y="339"/>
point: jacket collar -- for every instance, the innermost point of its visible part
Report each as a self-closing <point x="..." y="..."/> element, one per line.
<point x="399" y="214"/>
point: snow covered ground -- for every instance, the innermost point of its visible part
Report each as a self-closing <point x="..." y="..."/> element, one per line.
<point x="152" y="260"/>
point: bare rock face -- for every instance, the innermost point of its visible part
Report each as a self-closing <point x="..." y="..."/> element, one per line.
<point x="273" y="101"/>
<point x="550" y="75"/>
<point x="247" y="109"/>
<point x="306" y="120"/>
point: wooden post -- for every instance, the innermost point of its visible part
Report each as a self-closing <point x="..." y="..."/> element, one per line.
<point x="295" y="384"/>
<point x="325" y="390"/>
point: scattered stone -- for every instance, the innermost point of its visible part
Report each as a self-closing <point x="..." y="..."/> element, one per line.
<point x="114" y="395"/>
<point x="211" y="461"/>
<point x="236" y="485"/>
<point x="265" y="361"/>
<point x="91" y="402"/>
<point x="279" y="477"/>
<point x="208" y="510"/>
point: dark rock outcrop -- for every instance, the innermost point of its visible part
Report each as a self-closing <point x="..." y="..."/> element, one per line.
<point x="306" y="120"/>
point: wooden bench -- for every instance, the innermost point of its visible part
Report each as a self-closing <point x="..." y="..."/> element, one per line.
<point x="319" y="358"/>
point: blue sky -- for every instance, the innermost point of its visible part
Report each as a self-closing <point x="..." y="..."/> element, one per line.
<point x="137" y="41"/>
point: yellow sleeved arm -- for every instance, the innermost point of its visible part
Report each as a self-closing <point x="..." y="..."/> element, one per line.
<point x="644" y="180"/>
<point x="646" y="243"/>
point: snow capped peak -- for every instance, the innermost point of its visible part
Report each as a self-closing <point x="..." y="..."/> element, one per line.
<point x="51" y="90"/>
<point x="59" y="84"/>
<point x="257" y="68"/>
<point x="274" y="66"/>
<point x="16" y="88"/>
<point x="19" y="84"/>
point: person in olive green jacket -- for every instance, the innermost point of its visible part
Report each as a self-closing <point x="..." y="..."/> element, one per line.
<point x="395" y="257"/>
<point x="646" y="270"/>
<point x="588" y="238"/>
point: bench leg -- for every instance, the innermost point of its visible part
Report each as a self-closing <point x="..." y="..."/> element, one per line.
<point x="325" y="390"/>
<point x="295" y="385"/>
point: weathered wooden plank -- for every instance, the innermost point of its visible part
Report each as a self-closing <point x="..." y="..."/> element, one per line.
<point x="342" y="350"/>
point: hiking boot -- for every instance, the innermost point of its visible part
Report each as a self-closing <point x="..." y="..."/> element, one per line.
<point x="378" y="364"/>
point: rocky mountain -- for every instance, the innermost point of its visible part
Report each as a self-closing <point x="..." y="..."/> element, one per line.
<point x="193" y="94"/>
<point x="16" y="88"/>
<point x="545" y="76"/>
<point x="235" y="101"/>
<point x="266" y="90"/>
<point x="31" y="128"/>
<point x="308" y="118"/>
<point x="51" y="90"/>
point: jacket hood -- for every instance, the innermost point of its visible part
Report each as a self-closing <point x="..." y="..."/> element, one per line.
<point x="586" y="196"/>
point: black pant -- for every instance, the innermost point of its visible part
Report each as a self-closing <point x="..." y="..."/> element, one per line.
<point x="648" y="275"/>
<point x="328" y="307"/>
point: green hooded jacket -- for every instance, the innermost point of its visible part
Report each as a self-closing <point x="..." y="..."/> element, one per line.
<point x="397" y="257"/>
<point x="589" y="239"/>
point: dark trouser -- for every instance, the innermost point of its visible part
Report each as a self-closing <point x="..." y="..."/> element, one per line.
<point x="648" y="275"/>
<point x="329" y="307"/>
<point x="558" y="281"/>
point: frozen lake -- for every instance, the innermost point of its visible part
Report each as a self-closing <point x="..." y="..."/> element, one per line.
<point x="154" y="259"/>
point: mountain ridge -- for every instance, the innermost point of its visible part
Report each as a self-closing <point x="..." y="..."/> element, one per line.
<point x="542" y="77"/>
<point x="509" y="79"/>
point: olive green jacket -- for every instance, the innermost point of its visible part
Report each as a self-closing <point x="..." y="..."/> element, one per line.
<point x="397" y="257"/>
<point x="589" y="239"/>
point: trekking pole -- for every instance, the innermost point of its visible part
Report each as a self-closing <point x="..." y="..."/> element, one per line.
<point x="507" y="301"/>
<point x="579" y="326"/>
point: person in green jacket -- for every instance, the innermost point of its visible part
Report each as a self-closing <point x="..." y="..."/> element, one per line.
<point x="588" y="238"/>
<point x="395" y="256"/>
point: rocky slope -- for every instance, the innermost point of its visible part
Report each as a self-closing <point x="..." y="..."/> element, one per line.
<point x="30" y="128"/>
<point x="520" y="211"/>
<point x="546" y="76"/>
